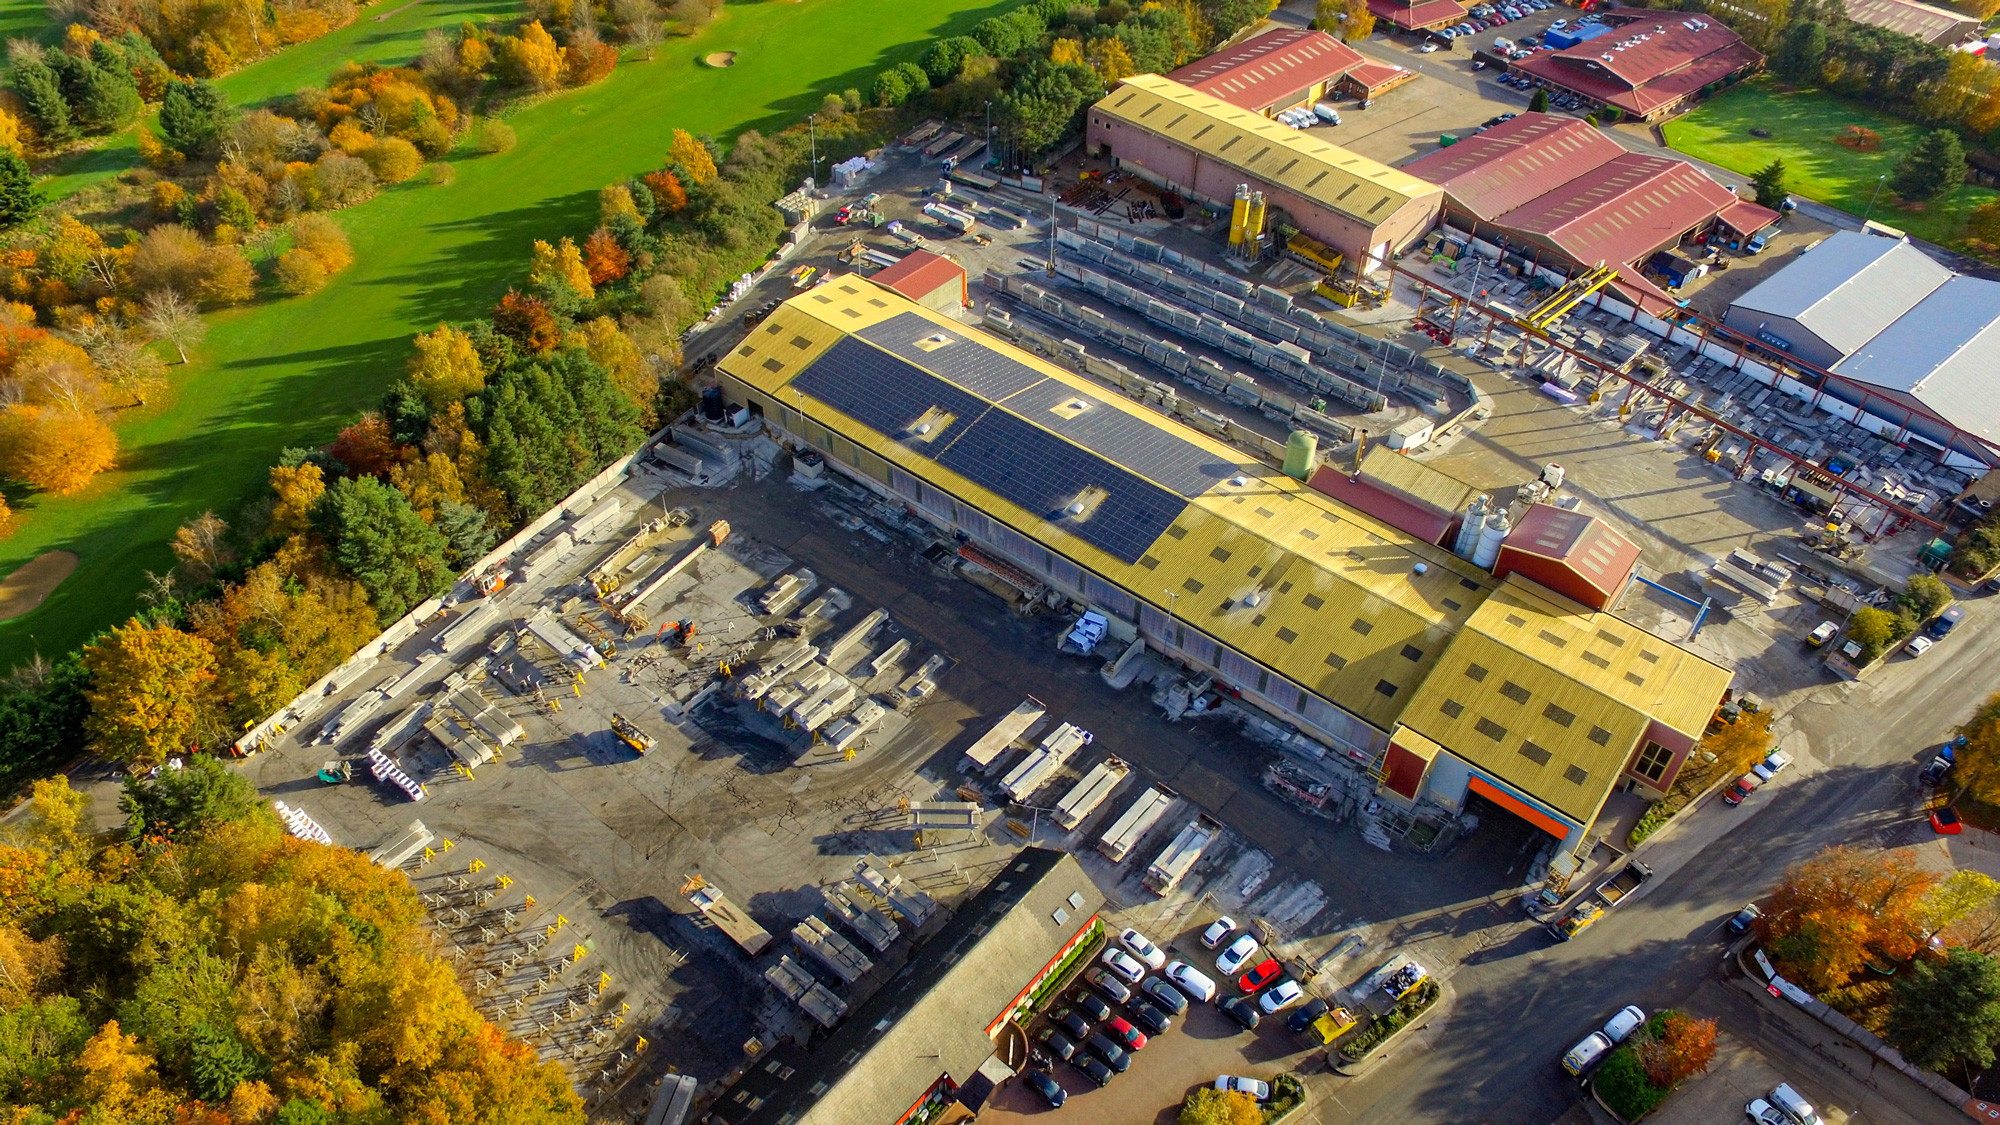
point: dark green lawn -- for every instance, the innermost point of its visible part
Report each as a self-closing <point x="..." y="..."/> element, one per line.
<point x="291" y="372"/>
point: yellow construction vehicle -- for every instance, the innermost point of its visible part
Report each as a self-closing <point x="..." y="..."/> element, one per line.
<point x="630" y="734"/>
<point x="1568" y="297"/>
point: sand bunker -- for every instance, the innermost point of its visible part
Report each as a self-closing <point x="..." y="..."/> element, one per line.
<point x="720" y="58"/>
<point x="33" y="581"/>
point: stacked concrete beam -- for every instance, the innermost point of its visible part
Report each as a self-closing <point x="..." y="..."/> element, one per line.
<point x="826" y="945"/>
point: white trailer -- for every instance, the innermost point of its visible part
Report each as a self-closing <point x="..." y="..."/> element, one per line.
<point x="1015" y="725"/>
<point x="1179" y="857"/>
<point x="1137" y="820"/>
<point x="1086" y="795"/>
<point x="1047" y="758"/>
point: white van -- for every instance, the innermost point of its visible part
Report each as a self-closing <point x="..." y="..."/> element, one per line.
<point x="1585" y="1054"/>
<point x="1793" y="1106"/>
<point x="1190" y="980"/>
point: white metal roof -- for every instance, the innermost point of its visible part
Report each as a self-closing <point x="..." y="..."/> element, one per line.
<point x="1849" y="287"/>
<point x="1945" y="353"/>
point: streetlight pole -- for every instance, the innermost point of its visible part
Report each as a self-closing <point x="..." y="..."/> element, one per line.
<point x="1173" y="601"/>
<point x="812" y="133"/>
<point x="991" y="156"/>
<point x="1879" y="181"/>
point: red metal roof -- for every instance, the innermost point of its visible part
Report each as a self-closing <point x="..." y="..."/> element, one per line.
<point x="1514" y="162"/>
<point x="1747" y="218"/>
<point x="920" y="274"/>
<point x="1274" y="68"/>
<point x="1373" y="76"/>
<point x="1584" y="545"/>
<point x="1421" y="520"/>
<point x="1422" y="13"/>
<point x="1622" y="210"/>
<point x="1647" y="62"/>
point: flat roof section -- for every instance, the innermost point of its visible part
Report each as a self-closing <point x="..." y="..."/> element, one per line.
<point x="1848" y="288"/>
<point x="1515" y="162"/>
<point x="1364" y="190"/>
<point x="1267" y="69"/>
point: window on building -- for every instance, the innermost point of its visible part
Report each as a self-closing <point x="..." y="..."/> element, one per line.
<point x="1514" y="691"/>
<point x="1653" y="762"/>
<point x="1384" y="687"/>
<point x="1557" y="715"/>
<point x="1452" y="708"/>
<point x="1475" y="673"/>
<point x="1362" y="627"/>
<point x="1576" y="775"/>
<point x="1600" y="736"/>
<point x="1490" y="729"/>
<point x="1412" y="653"/>
<point x="1536" y="754"/>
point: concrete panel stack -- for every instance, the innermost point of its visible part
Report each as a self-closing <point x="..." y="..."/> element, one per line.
<point x="826" y="945"/>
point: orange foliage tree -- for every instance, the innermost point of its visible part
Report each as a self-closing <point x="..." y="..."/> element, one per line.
<point x="528" y="322"/>
<point x="1842" y="908"/>
<point x="668" y="194"/>
<point x="367" y="448"/>
<point x="55" y="449"/>
<point x="606" y="260"/>
<point x="1683" y="1048"/>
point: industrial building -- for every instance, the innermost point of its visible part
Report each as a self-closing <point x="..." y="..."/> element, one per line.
<point x="1417" y="15"/>
<point x="1556" y="192"/>
<point x="1314" y="610"/>
<point x="1650" y="65"/>
<point x="1927" y="22"/>
<point x="1886" y="330"/>
<point x="1203" y="148"/>
<point x="931" y="280"/>
<point x="933" y="1038"/>
<point x="1288" y="68"/>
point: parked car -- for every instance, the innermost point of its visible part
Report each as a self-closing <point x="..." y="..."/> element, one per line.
<point x="1921" y="645"/>
<point x="1136" y="944"/>
<point x="1190" y="980"/>
<point x="1218" y="931"/>
<point x="1241" y="1010"/>
<point x="1628" y="1020"/>
<point x="1428" y="48"/>
<point x="1091" y="1004"/>
<point x="1110" y="985"/>
<point x="1121" y="1029"/>
<point x="1094" y="1069"/>
<point x="1585" y="1054"/>
<point x="1265" y="972"/>
<point x="1745" y="785"/>
<point x="1773" y="762"/>
<point x="1794" y="1106"/>
<point x="1077" y="1026"/>
<point x="1113" y="1055"/>
<point x="1558" y="25"/>
<point x="1945" y="822"/>
<point x="1233" y="958"/>
<point x="1762" y="1112"/>
<point x="1152" y="1019"/>
<point x="1043" y="1083"/>
<point x="1280" y="996"/>
<point x="1304" y="1015"/>
<point x="1170" y="998"/>
<point x="1121" y="962"/>
<point x="1741" y="921"/>
<point x="1254" y="1087"/>
<point x="1058" y="1044"/>
<point x="1822" y="633"/>
<point x="1938" y="767"/>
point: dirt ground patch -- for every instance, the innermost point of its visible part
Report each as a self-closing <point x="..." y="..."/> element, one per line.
<point x="33" y="581"/>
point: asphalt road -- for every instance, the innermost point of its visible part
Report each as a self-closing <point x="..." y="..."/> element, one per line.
<point x="1527" y="999"/>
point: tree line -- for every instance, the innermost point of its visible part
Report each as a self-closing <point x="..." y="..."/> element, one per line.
<point x="203" y="968"/>
<point x="1037" y="67"/>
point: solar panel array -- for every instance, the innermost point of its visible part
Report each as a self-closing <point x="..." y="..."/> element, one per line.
<point x="1018" y="460"/>
<point x="985" y="372"/>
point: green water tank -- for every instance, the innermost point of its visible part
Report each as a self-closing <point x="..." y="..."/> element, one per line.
<point x="1301" y="448"/>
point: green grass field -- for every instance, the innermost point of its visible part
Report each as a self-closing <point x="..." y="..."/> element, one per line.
<point x="291" y="372"/>
<point x="1803" y="125"/>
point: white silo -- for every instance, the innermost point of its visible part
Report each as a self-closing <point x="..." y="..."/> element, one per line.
<point x="1488" y="552"/>
<point x="1469" y="529"/>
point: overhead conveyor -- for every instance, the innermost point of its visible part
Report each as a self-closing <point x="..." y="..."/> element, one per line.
<point x="1568" y="297"/>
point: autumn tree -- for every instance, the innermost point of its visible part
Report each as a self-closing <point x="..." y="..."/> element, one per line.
<point x="201" y="547"/>
<point x="275" y="632"/>
<point x="170" y="317"/>
<point x="1068" y="52"/>
<point x="532" y="58"/>
<point x="1219" y="1107"/>
<point x="318" y="235"/>
<point x="1975" y="771"/>
<point x="148" y="693"/>
<point x="604" y="258"/>
<point x="1875" y="630"/>
<point x="1741" y="744"/>
<point x="1110" y="59"/>
<point x="366" y="447"/>
<point x="615" y="201"/>
<point x="299" y="273"/>
<point x="527" y="321"/>
<point x="393" y="160"/>
<point x="561" y="264"/>
<point x="1843" y="908"/>
<point x="297" y="488"/>
<point x="692" y="157"/>
<point x="668" y="194"/>
<point x="1962" y="894"/>
<point x="446" y="368"/>
<point x="1682" y="1048"/>
<point x="380" y="541"/>
<point x="55" y="449"/>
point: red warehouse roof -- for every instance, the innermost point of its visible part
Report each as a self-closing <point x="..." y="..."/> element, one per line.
<point x="1580" y="545"/>
<point x="1275" y="68"/>
<point x="1647" y="62"/>
<point x="1621" y="211"/>
<point x="1747" y="218"/>
<point x="1423" y="13"/>
<point x="920" y="274"/>
<point x="1515" y="162"/>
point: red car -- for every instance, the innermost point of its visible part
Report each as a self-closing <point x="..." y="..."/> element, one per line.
<point x="1946" y="822"/>
<point x="1133" y="1037"/>
<point x="1258" y="977"/>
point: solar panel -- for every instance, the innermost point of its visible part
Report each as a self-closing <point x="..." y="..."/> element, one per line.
<point x="985" y="372"/>
<point x="1042" y="473"/>
<point x="887" y="395"/>
<point x="1137" y="444"/>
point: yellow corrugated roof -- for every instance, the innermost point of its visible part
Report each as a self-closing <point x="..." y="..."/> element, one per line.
<point x="1553" y="697"/>
<point x="1365" y="190"/>
<point x="1415" y="479"/>
<point x="1340" y="610"/>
